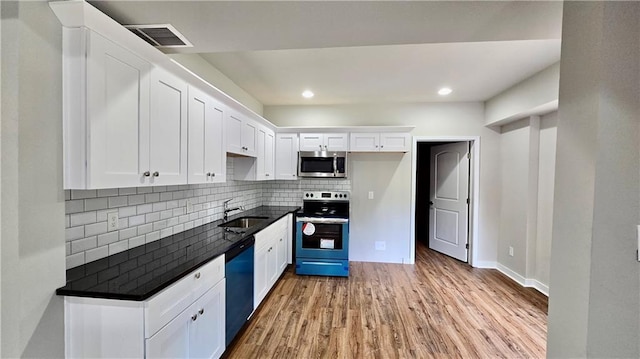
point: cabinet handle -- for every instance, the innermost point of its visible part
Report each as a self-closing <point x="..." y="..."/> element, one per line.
<point x="280" y="239"/>
<point x="194" y="317"/>
<point x="208" y="174"/>
<point x="266" y="174"/>
<point x="147" y="174"/>
<point x="376" y="146"/>
<point x="201" y="311"/>
<point x="198" y="275"/>
<point x="325" y="147"/>
<point x="156" y="174"/>
<point x="213" y="174"/>
<point x="320" y="146"/>
<point x="381" y="146"/>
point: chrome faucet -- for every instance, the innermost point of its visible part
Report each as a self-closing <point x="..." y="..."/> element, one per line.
<point x="227" y="209"/>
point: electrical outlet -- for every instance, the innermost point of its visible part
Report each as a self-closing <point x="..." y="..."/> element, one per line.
<point x="370" y="194"/>
<point x="189" y="206"/>
<point x="381" y="246"/>
<point x="511" y="251"/>
<point x="112" y="221"/>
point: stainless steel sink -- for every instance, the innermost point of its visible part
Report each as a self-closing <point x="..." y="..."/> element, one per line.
<point x="244" y="222"/>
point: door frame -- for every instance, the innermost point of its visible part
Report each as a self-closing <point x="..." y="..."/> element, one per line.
<point x="474" y="191"/>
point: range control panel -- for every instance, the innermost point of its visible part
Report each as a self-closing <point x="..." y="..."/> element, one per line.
<point x="326" y="196"/>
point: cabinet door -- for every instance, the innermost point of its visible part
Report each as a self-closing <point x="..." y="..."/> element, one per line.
<point x="268" y="155"/>
<point x="272" y="263"/>
<point x="215" y="154"/>
<point x="249" y="137"/>
<point x="172" y="341"/>
<point x="281" y="251"/>
<point x="311" y="142"/>
<point x="260" y="274"/>
<point x="364" y="142"/>
<point x="286" y="156"/>
<point x="395" y="142"/>
<point x="118" y="111"/>
<point x="168" y="129"/>
<point x="206" y="334"/>
<point x="207" y="158"/>
<point x="233" y="127"/>
<point x="336" y="142"/>
<point x="260" y="154"/>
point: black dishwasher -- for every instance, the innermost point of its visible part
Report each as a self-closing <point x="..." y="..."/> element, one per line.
<point x="239" y="287"/>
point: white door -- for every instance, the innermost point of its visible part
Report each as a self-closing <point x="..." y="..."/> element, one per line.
<point x="364" y="142"/>
<point x="206" y="147"/>
<point x="268" y="155"/>
<point x="215" y="154"/>
<point x="336" y="142"/>
<point x="249" y="137"/>
<point x="172" y="341"/>
<point x="234" y="134"/>
<point x="449" y="210"/>
<point x="311" y="142"/>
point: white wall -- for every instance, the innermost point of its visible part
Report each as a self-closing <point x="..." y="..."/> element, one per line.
<point x="528" y="149"/>
<point x="387" y="216"/>
<point x="546" y="177"/>
<point x="594" y="304"/>
<point x="535" y="95"/>
<point x="32" y="221"/>
<point x="209" y="73"/>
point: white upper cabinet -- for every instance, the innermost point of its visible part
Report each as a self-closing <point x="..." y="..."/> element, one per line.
<point x="380" y="142"/>
<point x="241" y="135"/>
<point x="286" y="156"/>
<point x="125" y="121"/>
<point x="106" y="120"/>
<point x="262" y="166"/>
<point x="168" y="129"/>
<point x="324" y="142"/>
<point x="207" y="157"/>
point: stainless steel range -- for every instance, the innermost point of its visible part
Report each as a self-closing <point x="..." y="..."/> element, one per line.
<point x="322" y="234"/>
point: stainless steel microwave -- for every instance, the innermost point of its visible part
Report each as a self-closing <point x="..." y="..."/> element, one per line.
<point x="332" y="164"/>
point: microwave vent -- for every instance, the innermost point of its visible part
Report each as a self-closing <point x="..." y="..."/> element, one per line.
<point x="160" y="35"/>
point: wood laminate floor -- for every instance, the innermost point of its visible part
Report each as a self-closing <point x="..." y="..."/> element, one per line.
<point x="437" y="308"/>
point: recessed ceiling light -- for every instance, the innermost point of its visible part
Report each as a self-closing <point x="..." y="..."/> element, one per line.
<point x="444" y="91"/>
<point x="307" y="94"/>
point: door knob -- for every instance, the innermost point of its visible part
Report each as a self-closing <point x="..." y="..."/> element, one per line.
<point x="431" y="203"/>
<point x="208" y="174"/>
<point x="147" y="173"/>
<point x="156" y="174"/>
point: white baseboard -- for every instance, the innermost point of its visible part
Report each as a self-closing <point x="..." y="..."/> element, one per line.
<point x="525" y="282"/>
<point x="484" y="264"/>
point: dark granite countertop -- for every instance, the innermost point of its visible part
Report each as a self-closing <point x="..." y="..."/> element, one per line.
<point x="143" y="271"/>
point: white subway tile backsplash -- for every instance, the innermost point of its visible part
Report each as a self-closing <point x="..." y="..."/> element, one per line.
<point x="95" y="229"/>
<point x="151" y="197"/>
<point x="144" y="190"/>
<point x="97" y="253"/>
<point x="148" y="214"/>
<point x="115" y="202"/>
<point x="75" y="260"/>
<point x="82" y="194"/>
<point x="145" y="228"/>
<point x="75" y="206"/>
<point x="128" y="233"/>
<point x="136" y="220"/>
<point x="107" y="238"/>
<point x="118" y="247"/>
<point x="78" y="219"/>
<point x="136" y="241"/>
<point x="127" y="211"/>
<point x="153" y="236"/>
<point x="144" y="208"/>
<point x="81" y="245"/>
<point x="107" y="192"/>
<point x="74" y="233"/>
<point x="126" y="191"/>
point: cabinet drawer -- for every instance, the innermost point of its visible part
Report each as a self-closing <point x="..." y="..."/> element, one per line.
<point x="167" y="304"/>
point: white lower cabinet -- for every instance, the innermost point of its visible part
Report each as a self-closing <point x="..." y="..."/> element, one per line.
<point x="271" y="257"/>
<point x="197" y="332"/>
<point x="185" y="320"/>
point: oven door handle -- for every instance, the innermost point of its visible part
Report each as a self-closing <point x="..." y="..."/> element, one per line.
<point x="323" y="220"/>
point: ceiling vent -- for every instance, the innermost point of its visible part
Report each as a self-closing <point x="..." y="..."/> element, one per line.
<point x="161" y="35"/>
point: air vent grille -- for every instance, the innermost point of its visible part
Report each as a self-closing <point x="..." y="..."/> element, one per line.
<point x="162" y="35"/>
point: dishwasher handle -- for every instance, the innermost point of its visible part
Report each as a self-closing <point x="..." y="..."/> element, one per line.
<point x="238" y="249"/>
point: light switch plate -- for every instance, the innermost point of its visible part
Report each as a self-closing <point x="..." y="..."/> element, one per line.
<point x="370" y="194"/>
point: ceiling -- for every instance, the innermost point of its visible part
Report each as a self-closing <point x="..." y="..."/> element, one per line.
<point x="361" y="51"/>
